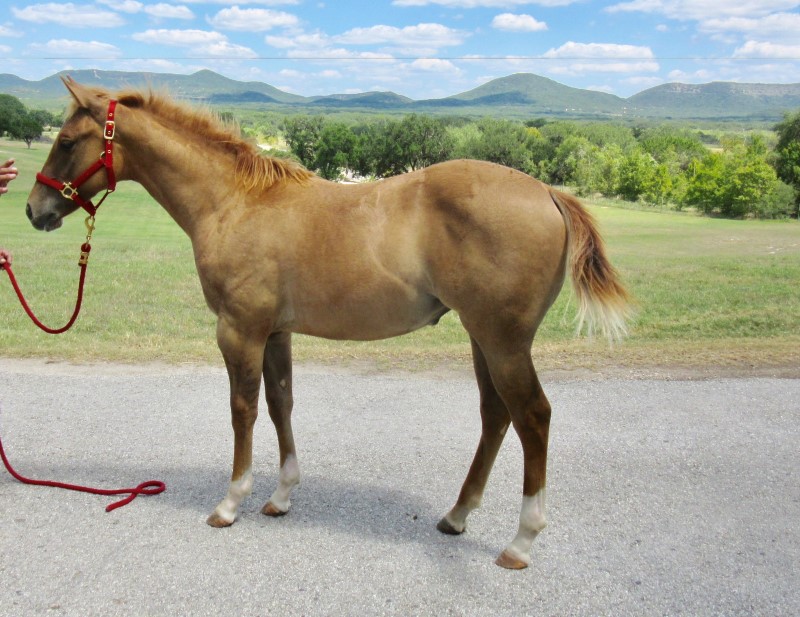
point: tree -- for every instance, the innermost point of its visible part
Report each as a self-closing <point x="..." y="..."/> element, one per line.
<point x="11" y="108"/>
<point x="787" y="151"/>
<point x="737" y="182"/>
<point x="637" y="175"/>
<point x="26" y="127"/>
<point x="46" y="118"/>
<point x="392" y="147"/>
<point x="425" y="141"/>
<point x="499" y="141"/>
<point x="335" y="150"/>
<point x="302" y="135"/>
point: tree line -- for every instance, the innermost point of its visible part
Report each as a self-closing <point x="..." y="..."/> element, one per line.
<point x="736" y="175"/>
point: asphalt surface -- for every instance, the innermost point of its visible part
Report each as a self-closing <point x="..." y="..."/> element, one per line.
<point x="664" y="498"/>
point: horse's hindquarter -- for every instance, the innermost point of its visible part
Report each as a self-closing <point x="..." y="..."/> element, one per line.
<point x="497" y="242"/>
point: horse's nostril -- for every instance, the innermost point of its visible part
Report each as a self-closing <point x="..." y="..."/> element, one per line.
<point x="29" y="212"/>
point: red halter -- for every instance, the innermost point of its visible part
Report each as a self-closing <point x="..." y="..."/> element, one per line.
<point x="70" y="189"/>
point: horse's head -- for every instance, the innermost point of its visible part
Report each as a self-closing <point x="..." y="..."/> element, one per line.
<point x="79" y="145"/>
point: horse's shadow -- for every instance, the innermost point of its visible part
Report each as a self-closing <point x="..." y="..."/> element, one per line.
<point x="322" y="501"/>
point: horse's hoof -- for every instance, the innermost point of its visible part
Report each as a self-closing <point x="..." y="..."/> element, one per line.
<point x="270" y="509"/>
<point x="509" y="562"/>
<point x="215" y="520"/>
<point x="446" y="527"/>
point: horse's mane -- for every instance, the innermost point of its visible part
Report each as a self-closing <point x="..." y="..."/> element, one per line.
<point x="254" y="170"/>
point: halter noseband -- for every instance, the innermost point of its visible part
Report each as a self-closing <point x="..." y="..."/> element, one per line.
<point x="106" y="160"/>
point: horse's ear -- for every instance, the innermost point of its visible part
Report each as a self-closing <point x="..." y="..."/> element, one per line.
<point x="86" y="98"/>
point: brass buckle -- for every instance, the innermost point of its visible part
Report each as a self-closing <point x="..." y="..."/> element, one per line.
<point x="111" y="129"/>
<point x="69" y="191"/>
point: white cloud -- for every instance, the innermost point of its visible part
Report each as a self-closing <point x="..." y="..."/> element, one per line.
<point x="583" y="58"/>
<point x="518" y="23"/>
<point x="422" y="35"/>
<point x="642" y="81"/>
<point x="785" y="26"/>
<point x="179" y="38"/>
<point x="5" y="49"/>
<point x="252" y="20"/>
<point x="338" y="53"/>
<point x="238" y="2"/>
<point x="571" y="50"/>
<point x="77" y="49"/>
<point x="703" y="10"/>
<point x="123" y="6"/>
<point x="9" y="32"/>
<point x="419" y="40"/>
<point x="435" y="65"/>
<point x="168" y="11"/>
<point x="225" y="49"/>
<point x="682" y="76"/>
<point x="755" y="49"/>
<point x="472" y="4"/>
<point x="315" y="40"/>
<point x="68" y="15"/>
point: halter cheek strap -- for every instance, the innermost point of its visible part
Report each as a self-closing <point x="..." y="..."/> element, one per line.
<point x="70" y="189"/>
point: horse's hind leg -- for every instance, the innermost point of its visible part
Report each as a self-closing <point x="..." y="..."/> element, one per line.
<point x="515" y="379"/>
<point x="278" y="385"/>
<point x="495" y="420"/>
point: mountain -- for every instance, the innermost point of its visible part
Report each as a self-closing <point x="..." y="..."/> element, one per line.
<point x="717" y="100"/>
<point x="519" y="95"/>
<point x="200" y="86"/>
<point x="375" y="100"/>
<point x="545" y="95"/>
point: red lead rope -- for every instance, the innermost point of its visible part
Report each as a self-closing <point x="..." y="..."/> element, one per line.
<point x="151" y="487"/>
<point x="7" y="267"/>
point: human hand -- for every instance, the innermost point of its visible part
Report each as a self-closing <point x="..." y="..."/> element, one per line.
<point x="7" y="173"/>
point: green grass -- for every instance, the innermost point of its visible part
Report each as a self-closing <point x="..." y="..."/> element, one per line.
<point x="710" y="292"/>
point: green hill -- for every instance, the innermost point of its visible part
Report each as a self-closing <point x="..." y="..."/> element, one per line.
<point x="717" y="100"/>
<point x="542" y="94"/>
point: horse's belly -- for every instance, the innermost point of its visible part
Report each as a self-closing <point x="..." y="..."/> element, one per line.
<point x="369" y="321"/>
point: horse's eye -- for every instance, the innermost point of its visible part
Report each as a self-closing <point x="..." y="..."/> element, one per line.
<point x="67" y="145"/>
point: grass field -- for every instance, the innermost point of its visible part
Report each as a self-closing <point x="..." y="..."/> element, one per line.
<point x="711" y="293"/>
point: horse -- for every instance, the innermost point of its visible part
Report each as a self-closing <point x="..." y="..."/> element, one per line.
<point x="280" y="250"/>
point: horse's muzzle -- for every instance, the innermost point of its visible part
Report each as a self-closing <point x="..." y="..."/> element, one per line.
<point x="46" y="222"/>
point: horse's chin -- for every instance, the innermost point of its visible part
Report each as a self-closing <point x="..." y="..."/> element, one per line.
<point x="51" y="222"/>
<point x="54" y="225"/>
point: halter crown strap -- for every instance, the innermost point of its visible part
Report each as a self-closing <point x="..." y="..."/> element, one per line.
<point x="70" y="189"/>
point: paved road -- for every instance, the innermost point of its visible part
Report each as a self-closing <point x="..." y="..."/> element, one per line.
<point x="665" y="498"/>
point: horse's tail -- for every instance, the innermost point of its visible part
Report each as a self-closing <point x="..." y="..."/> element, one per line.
<point x="603" y="303"/>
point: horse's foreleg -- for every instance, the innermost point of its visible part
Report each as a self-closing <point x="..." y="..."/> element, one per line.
<point x="495" y="420"/>
<point x="243" y="355"/>
<point x="278" y="385"/>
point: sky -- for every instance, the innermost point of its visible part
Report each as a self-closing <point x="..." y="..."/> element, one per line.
<point x="418" y="48"/>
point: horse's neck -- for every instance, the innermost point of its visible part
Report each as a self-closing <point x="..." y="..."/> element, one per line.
<point x="190" y="184"/>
